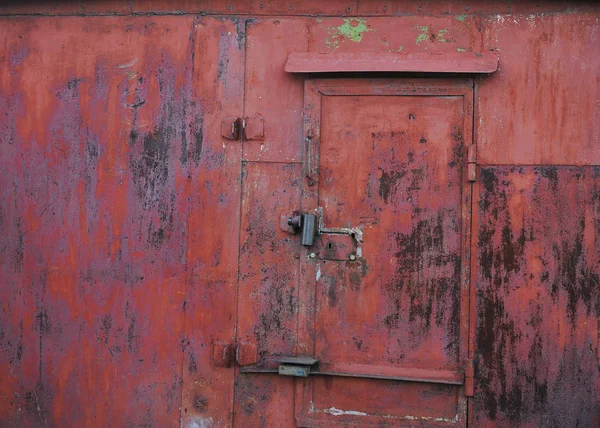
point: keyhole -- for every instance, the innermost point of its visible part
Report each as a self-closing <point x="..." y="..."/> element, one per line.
<point x="329" y="245"/>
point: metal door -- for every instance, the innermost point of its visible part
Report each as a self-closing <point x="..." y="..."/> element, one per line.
<point x="377" y="291"/>
<point x="381" y="303"/>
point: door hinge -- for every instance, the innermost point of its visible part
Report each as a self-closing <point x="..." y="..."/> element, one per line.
<point x="469" y="378"/>
<point x="246" y="354"/>
<point x="472" y="162"/>
<point x="254" y="128"/>
<point x="221" y="354"/>
<point x="230" y="128"/>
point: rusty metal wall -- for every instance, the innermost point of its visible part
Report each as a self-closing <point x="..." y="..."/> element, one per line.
<point x="538" y="296"/>
<point x="121" y="203"/>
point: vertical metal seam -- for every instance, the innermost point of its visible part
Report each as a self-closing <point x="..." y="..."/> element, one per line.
<point x="187" y="273"/>
<point x="472" y="261"/>
<point x="239" y="219"/>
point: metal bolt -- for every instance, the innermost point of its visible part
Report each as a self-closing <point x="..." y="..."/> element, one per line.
<point x="313" y="255"/>
<point x="352" y="257"/>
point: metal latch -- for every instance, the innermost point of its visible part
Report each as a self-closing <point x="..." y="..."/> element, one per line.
<point x="307" y="223"/>
<point x="296" y="366"/>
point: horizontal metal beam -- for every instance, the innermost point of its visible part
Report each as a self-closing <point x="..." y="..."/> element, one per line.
<point x="458" y="62"/>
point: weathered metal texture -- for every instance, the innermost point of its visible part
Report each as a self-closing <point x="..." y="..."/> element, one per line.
<point x="268" y="288"/>
<point x="406" y="35"/>
<point x="218" y="7"/>
<point x="93" y="178"/>
<point x="280" y="101"/>
<point x="251" y="7"/>
<point x="456" y="62"/>
<point x="102" y="141"/>
<point x="277" y="95"/>
<point x="294" y="8"/>
<point x="217" y="49"/>
<point x="121" y="201"/>
<point x="466" y="7"/>
<point x="538" y="297"/>
<point x="398" y="311"/>
<point x="549" y="111"/>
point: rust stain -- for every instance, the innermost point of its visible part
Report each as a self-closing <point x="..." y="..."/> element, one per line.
<point x="538" y="295"/>
<point x="134" y="237"/>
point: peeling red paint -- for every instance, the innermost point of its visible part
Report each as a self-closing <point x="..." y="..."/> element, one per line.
<point x="138" y="244"/>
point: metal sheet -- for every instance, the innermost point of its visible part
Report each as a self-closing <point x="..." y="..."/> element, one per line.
<point x="104" y="135"/>
<point x="120" y="206"/>
<point x="538" y="297"/>
<point x="461" y="62"/>
<point x="268" y="289"/>
<point x="548" y="112"/>
<point x="213" y="189"/>
<point x="403" y="35"/>
<point x="280" y="100"/>
<point x="462" y="8"/>
<point x="390" y="161"/>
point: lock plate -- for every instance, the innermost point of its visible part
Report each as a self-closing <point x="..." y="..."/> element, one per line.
<point x="330" y="246"/>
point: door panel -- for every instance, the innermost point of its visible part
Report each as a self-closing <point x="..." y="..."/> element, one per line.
<point x="385" y="168"/>
<point x="267" y="292"/>
<point x="213" y="227"/>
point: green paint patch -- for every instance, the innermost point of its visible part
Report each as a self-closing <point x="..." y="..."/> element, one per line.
<point x="400" y="49"/>
<point x="424" y="34"/>
<point x="460" y="49"/>
<point x="352" y="29"/>
<point x="461" y="17"/>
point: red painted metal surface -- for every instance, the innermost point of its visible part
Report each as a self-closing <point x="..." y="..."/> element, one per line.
<point x="143" y="266"/>
<point x="398" y="304"/>
<point x="212" y="229"/>
<point x="423" y="63"/>
<point x="97" y="138"/>
<point x="268" y="288"/>
<point x="538" y="297"/>
<point x="549" y="80"/>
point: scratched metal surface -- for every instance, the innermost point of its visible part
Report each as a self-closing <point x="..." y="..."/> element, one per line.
<point x="120" y="201"/>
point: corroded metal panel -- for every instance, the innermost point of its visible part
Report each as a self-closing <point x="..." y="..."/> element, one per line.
<point x="268" y="290"/>
<point x="406" y="34"/>
<point x="121" y="194"/>
<point x="102" y="137"/>
<point x="213" y="189"/>
<point x="388" y="168"/>
<point x="252" y="7"/>
<point x="538" y="297"/>
<point x="272" y="92"/>
<point x="462" y="8"/>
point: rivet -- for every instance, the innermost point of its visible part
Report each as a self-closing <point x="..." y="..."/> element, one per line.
<point x="352" y="257"/>
<point x="313" y="255"/>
